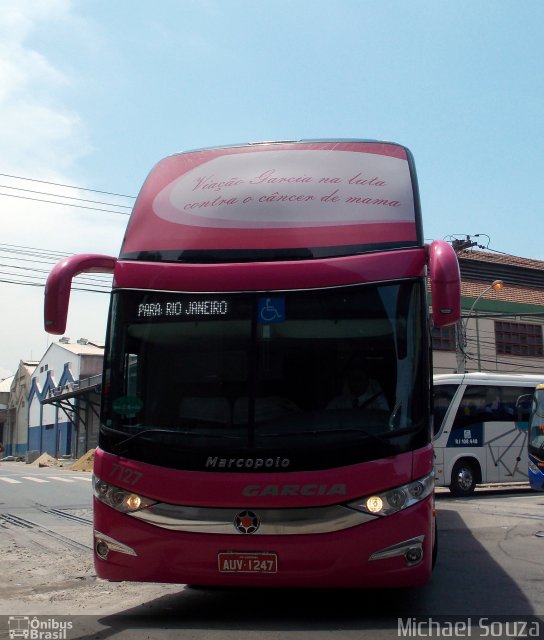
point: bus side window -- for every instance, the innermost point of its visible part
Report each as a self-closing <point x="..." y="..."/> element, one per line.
<point x="492" y="408"/>
<point x="472" y="408"/>
<point x="488" y="404"/>
<point x="511" y="405"/>
<point x="442" y="397"/>
<point x="131" y="375"/>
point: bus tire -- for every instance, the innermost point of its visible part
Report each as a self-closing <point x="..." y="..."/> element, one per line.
<point x="435" y="544"/>
<point x="463" y="478"/>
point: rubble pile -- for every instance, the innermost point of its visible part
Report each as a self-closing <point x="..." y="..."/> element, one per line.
<point x="45" y="460"/>
<point x="85" y="463"/>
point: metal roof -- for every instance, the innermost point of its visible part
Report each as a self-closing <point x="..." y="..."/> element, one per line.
<point x="5" y="384"/>
<point x="81" y="349"/>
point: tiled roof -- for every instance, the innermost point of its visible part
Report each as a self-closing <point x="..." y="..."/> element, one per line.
<point x="520" y="286"/>
<point x="523" y="277"/>
<point x="510" y="293"/>
<point x="501" y="258"/>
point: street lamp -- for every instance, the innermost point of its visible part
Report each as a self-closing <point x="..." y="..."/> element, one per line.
<point x="496" y="285"/>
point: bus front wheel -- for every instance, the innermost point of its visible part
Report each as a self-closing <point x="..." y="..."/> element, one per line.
<point x="463" y="478"/>
<point x="435" y="544"/>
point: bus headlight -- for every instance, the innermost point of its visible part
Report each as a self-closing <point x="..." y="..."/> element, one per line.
<point x="397" y="499"/>
<point x="119" y="499"/>
<point x="533" y="468"/>
<point x="374" y="504"/>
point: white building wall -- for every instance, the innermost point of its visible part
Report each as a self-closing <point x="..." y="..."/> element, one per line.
<point x="49" y="427"/>
<point x="482" y="353"/>
<point x="19" y="408"/>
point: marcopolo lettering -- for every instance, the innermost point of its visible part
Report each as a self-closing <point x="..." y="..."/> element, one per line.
<point x="295" y="490"/>
<point x="247" y="463"/>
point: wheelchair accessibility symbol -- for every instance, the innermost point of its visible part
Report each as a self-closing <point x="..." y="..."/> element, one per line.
<point x="271" y="310"/>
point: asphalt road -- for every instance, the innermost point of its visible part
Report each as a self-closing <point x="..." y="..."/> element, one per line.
<point x="490" y="565"/>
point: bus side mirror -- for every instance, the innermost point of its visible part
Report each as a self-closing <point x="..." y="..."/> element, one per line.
<point x="523" y="407"/>
<point x="59" y="282"/>
<point x="445" y="284"/>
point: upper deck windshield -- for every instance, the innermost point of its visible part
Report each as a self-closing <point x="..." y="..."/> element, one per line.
<point x="223" y="381"/>
<point x="536" y="425"/>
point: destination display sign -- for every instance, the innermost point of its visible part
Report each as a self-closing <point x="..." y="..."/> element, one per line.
<point x="165" y="307"/>
<point x="187" y="308"/>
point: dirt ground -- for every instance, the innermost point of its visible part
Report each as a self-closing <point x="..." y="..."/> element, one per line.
<point x="40" y="575"/>
<point x="40" y="579"/>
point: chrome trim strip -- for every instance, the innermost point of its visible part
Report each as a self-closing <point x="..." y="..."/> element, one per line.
<point x="399" y="549"/>
<point x="113" y="545"/>
<point x="272" y="521"/>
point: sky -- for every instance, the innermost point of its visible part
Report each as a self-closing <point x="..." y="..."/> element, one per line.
<point x="93" y="93"/>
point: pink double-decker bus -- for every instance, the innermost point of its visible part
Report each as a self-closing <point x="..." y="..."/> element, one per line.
<point x="266" y="409"/>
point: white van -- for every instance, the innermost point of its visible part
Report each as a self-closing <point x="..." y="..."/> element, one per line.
<point x="479" y="437"/>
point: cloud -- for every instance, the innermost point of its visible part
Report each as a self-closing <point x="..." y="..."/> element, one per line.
<point x="38" y="133"/>
<point x="40" y="137"/>
<point x="43" y="139"/>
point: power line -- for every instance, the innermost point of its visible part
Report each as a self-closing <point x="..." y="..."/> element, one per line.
<point x="103" y="281"/>
<point x="20" y="246"/>
<point x="58" y="184"/>
<point x="66" y="204"/>
<point x="58" y="195"/>
<point x="19" y="268"/>
<point x="36" y="284"/>
<point x="61" y="199"/>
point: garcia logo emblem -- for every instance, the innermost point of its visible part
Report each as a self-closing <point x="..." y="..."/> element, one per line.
<point x="246" y="522"/>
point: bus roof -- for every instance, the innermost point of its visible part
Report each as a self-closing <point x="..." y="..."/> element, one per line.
<point x="484" y="378"/>
<point x="303" y="199"/>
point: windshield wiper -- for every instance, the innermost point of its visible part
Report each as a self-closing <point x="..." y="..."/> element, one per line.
<point x="119" y="446"/>
<point x="315" y="432"/>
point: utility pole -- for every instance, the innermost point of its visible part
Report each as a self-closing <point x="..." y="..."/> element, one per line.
<point x="461" y="245"/>
<point x="461" y="329"/>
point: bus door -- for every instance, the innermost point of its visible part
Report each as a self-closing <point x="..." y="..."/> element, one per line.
<point x="506" y="435"/>
<point x="445" y="400"/>
<point x="467" y="432"/>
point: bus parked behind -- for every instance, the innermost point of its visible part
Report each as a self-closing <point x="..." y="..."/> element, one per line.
<point x="479" y="436"/>
<point x="536" y="440"/>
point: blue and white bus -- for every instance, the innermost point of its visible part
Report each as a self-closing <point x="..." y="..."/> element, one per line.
<point x="479" y="436"/>
<point x="536" y="440"/>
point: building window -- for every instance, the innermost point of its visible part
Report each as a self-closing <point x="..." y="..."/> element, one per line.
<point x="518" y="339"/>
<point x="443" y="338"/>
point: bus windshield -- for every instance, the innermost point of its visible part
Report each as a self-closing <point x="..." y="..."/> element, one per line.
<point x="308" y="379"/>
<point x="536" y="425"/>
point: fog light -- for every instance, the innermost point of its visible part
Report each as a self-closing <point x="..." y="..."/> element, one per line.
<point x="102" y="549"/>
<point x="414" y="555"/>
<point x="104" y="544"/>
